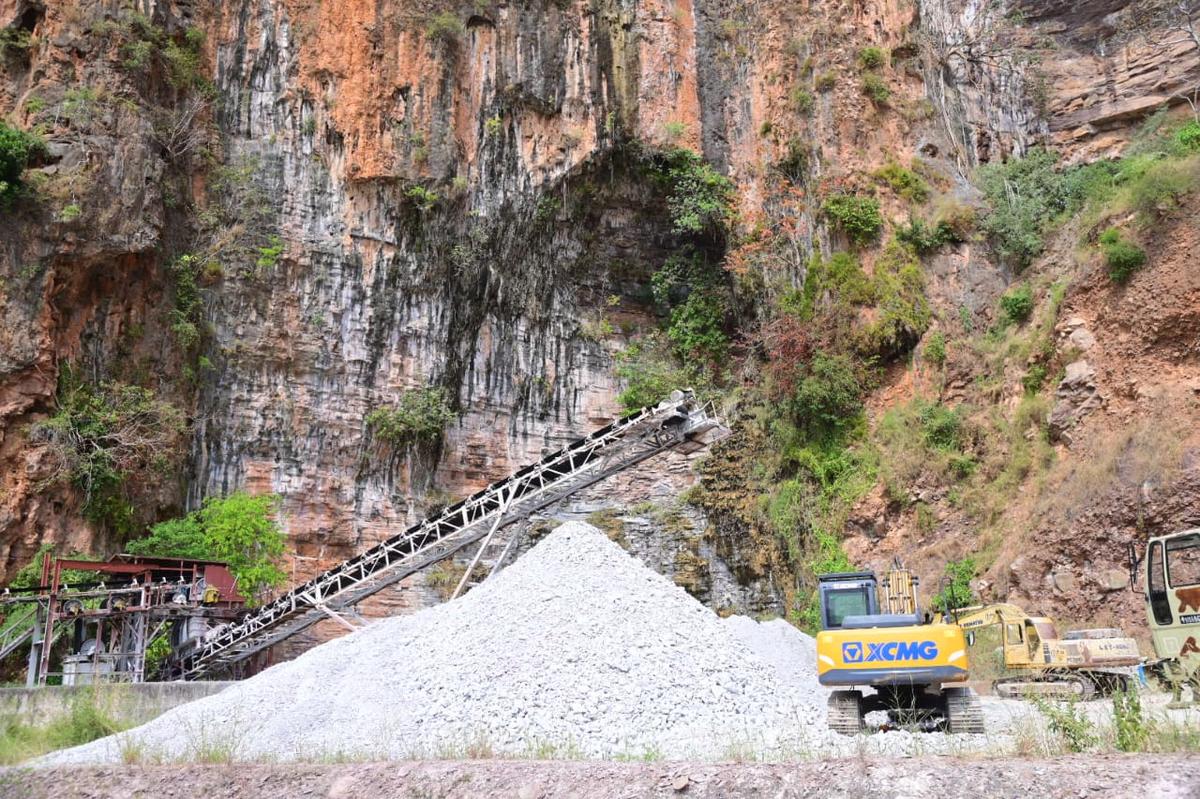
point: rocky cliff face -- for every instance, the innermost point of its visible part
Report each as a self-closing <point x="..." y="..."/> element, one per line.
<point x="397" y="195"/>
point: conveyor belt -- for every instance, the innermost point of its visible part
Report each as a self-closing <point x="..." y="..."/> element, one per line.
<point x="678" y="421"/>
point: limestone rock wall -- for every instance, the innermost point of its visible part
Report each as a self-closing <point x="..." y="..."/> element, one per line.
<point x="516" y="285"/>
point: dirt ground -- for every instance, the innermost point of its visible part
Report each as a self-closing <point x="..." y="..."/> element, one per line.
<point x="1108" y="776"/>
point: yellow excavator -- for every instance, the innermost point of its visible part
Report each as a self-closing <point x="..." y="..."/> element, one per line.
<point x="1039" y="662"/>
<point x="882" y="654"/>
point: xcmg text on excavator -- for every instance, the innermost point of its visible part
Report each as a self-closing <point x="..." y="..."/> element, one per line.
<point x="874" y="636"/>
<point x="1079" y="664"/>
<point x="1172" y="594"/>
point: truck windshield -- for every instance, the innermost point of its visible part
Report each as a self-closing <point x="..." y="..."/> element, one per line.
<point x="1183" y="560"/>
<point x="843" y="602"/>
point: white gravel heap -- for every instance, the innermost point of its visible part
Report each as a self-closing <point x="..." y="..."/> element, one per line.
<point x="575" y="650"/>
<point x="791" y="652"/>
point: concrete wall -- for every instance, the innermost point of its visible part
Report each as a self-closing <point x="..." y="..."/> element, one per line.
<point x="124" y="703"/>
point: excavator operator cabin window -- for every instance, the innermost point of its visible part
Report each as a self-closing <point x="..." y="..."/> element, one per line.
<point x="843" y="602"/>
<point x="1183" y="561"/>
<point x="1156" y="583"/>
<point x="1015" y="636"/>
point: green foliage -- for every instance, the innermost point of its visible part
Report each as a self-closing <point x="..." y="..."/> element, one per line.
<point x="70" y="212"/>
<point x="14" y="41"/>
<point x="871" y="58"/>
<point x="858" y="217"/>
<point x="682" y="273"/>
<point x="144" y="45"/>
<point x="840" y="278"/>
<point x="802" y="101"/>
<point x="955" y="591"/>
<point x="935" y="348"/>
<point x="107" y="436"/>
<point x="829" y="558"/>
<point x="1160" y="188"/>
<point x="1130" y="724"/>
<point x="424" y="199"/>
<point x="240" y="529"/>
<point x="444" y="28"/>
<point x="876" y="89"/>
<point x="905" y="182"/>
<point x="17" y="149"/>
<point x="1121" y="256"/>
<point x="794" y="164"/>
<point x="828" y="398"/>
<point x="1189" y="135"/>
<point x="87" y="721"/>
<point x="697" y="328"/>
<point x="493" y="125"/>
<point x="1034" y="378"/>
<point x="902" y="310"/>
<point x="268" y="256"/>
<point x="674" y="130"/>
<point x="1029" y="195"/>
<point x="826" y="81"/>
<point x="699" y="199"/>
<point x="419" y="416"/>
<point x="185" y="317"/>
<point x="1016" y="305"/>
<point x="1069" y="723"/>
<point x="952" y="224"/>
<point x="30" y="575"/>
<point x="650" y="373"/>
<point x="922" y="439"/>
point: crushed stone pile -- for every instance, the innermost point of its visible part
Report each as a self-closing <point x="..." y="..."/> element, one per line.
<point x="577" y="649"/>
<point x="792" y="652"/>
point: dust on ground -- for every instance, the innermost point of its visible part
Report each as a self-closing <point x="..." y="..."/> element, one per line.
<point x="1109" y="776"/>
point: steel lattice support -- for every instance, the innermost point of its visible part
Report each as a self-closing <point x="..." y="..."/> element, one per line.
<point x="675" y="422"/>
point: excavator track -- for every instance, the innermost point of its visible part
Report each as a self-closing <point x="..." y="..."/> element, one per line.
<point x="1054" y="685"/>
<point x="845" y="714"/>
<point x="964" y="711"/>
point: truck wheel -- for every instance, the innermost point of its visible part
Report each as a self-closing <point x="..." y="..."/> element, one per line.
<point x="846" y="712"/>
<point x="964" y="713"/>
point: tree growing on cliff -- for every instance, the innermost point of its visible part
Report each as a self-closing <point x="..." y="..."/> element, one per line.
<point x="240" y="529"/>
<point x="17" y="148"/>
<point x="103" y="436"/>
<point x="420" y="415"/>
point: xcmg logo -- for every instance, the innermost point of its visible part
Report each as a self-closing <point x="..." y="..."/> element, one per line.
<point x="858" y="652"/>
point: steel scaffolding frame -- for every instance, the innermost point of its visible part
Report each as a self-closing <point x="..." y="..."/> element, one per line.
<point x="677" y="422"/>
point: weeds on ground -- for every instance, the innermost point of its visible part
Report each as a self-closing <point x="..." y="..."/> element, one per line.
<point x="1067" y="721"/>
<point x="1129" y="723"/>
<point x="86" y="722"/>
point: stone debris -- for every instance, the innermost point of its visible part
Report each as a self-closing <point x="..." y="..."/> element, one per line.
<point x="1076" y="397"/>
<point x="576" y="650"/>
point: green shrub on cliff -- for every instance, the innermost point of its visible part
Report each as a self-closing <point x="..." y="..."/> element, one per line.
<point x="1121" y="256"/>
<point x="858" y="217"/>
<point x="649" y="372"/>
<point x="1189" y="135"/>
<point x="17" y="149"/>
<point x="444" y="28"/>
<point x="699" y="199"/>
<point x="240" y="529"/>
<point x="110" y="440"/>
<point x="904" y="182"/>
<point x="902" y="313"/>
<point x="871" y="58"/>
<point x="420" y="415"/>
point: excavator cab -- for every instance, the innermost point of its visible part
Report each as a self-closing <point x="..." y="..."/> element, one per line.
<point x="846" y="594"/>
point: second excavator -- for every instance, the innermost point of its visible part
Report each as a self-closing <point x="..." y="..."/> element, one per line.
<point x="1036" y="661"/>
